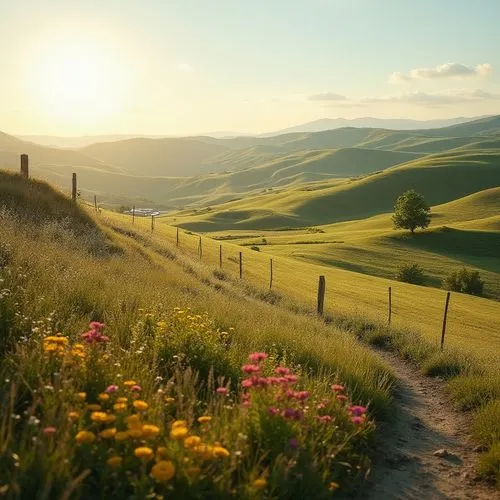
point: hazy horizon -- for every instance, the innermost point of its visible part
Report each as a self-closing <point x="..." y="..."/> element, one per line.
<point x="186" y="67"/>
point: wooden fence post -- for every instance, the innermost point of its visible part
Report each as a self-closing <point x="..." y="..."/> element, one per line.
<point x="200" y="250"/>
<point x="220" y="256"/>
<point x="444" y="318"/>
<point x="25" y="165"/>
<point x="95" y="202"/>
<point x="177" y="237"/>
<point x="271" y="275"/>
<point x="241" y="266"/>
<point x="133" y="214"/>
<point x="73" y="187"/>
<point x="321" y="295"/>
<point x="390" y="305"/>
<point x="152" y="223"/>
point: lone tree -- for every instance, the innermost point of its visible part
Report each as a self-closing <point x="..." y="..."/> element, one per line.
<point x="411" y="211"/>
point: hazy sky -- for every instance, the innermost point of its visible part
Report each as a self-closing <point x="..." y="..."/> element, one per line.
<point x="188" y="66"/>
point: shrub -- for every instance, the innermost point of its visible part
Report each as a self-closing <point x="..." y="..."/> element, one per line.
<point x="411" y="273"/>
<point x="255" y="247"/>
<point x="464" y="280"/>
<point x="489" y="464"/>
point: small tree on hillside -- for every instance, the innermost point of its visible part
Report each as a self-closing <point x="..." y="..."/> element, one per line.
<point x="411" y="211"/>
<point x="464" y="280"/>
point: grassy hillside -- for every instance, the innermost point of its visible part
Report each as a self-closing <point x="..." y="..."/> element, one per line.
<point x="440" y="178"/>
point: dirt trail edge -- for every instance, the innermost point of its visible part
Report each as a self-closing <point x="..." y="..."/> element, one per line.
<point x="424" y="422"/>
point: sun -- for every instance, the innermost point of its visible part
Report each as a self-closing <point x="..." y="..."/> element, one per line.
<point x="76" y="84"/>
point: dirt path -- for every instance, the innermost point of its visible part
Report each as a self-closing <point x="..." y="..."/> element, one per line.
<point x="424" y="422"/>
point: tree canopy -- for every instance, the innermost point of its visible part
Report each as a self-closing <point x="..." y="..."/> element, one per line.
<point x="411" y="211"/>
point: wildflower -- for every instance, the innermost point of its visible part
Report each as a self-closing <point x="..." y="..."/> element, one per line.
<point x="135" y="432"/>
<point x="121" y="399"/>
<point x="179" y="423"/>
<point x="161" y="452"/>
<point x="250" y="368"/>
<point x="357" y="420"/>
<point x="108" y="433"/>
<point x="140" y="405"/>
<point x="129" y="383"/>
<point x="110" y="418"/>
<point x="273" y="411"/>
<point x="114" y="462"/>
<point x="220" y="452"/>
<point x="246" y="383"/>
<point x="259" y="483"/>
<point x="119" y="407"/>
<point x="179" y="433"/>
<point x="121" y="436"/>
<point x="301" y="395"/>
<point x="169" y="400"/>
<point x="341" y="397"/>
<point x="325" y="419"/>
<point x="48" y="431"/>
<point x="256" y="357"/>
<point x="222" y="390"/>
<point x="133" y="420"/>
<point x="337" y="388"/>
<point x="136" y="388"/>
<point x="95" y="335"/>
<point x="143" y="452"/>
<point x="333" y="486"/>
<point x="204" y="451"/>
<point x="149" y="430"/>
<point x="85" y="437"/>
<point x="111" y="388"/>
<point x="205" y="419"/>
<point x="73" y="415"/>
<point x="281" y="370"/>
<point x="103" y="397"/>
<point x="163" y="471"/>
<point x="94" y="407"/>
<point x="82" y="396"/>
<point x="357" y="410"/>
<point x="99" y="416"/>
<point x="293" y="443"/>
<point x="291" y="378"/>
<point x="191" y="441"/>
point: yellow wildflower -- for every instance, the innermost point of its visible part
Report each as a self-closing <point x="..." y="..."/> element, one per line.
<point x="333" y="486"/>
<point x="150" y="430"/>
<point x="220" y="452"/>
<point x="136" y="432"/>
<point x="103" y="397"/>
<point x="161" y="452"/>
<point x="129" y="383"/>
<point x="121" y="436"/>
<point x="121" y="399"/>
<point x="85" y="437"/>
<point x="191" y="441"/>
<point x="133" y="420"/>
<point x="119" y="407"/>
<point x="99" y="416"/>
<point x="114" y="462"/>
<point x="259" y="483"/>
<point x="143" y="452"/>
<point x="204" y="419"/>
<point x="73" y="415"/>
<point x="82" y="396"/>
<point x="110" y="418"/>
<point x="169" y="400"/>
<point x="179" y="433"/>
<point x="94" y="407"/>
<point x="140" y="405"/>
<point x="108" y="433"/>
<point x="204" y="451"/>
<point x="163" y="471"/>
<point x="179" y="423"/>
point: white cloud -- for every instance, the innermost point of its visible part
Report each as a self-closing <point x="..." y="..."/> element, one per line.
<point x="327" y="96"/>
<point x="185" y="68"/>
<point x="448" y="70"/>
<point x="450" y="96"/>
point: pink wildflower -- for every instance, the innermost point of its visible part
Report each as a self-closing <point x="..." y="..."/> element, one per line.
<point x="341" y="397"/>
<point x="281" y="370"/>
<point x="325" y="419"/>
<point x="357" y="420"/>
<point x="246" y="383"/>
<point x="293" y="443"/>
<point x="136" y="388"/>
<point x="222" y="390"/>
<point x="250" y="368"/>
<point x="357" y="410"/>
<point x="337" y="388"/>
<point x="292" y="414"/>
<point x="257" y="357"/>
<point x="111" y="388"/>
<point x="291" y="379"/>
<point x="245" y="404"/>
<point x="273" y="411"/>
<point x="301" y="395"/>
<point x="48" y="431"/>
<point x="94" y="335"/>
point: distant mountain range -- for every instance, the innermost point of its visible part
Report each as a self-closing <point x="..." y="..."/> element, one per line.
<point x="314" y="126"/>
